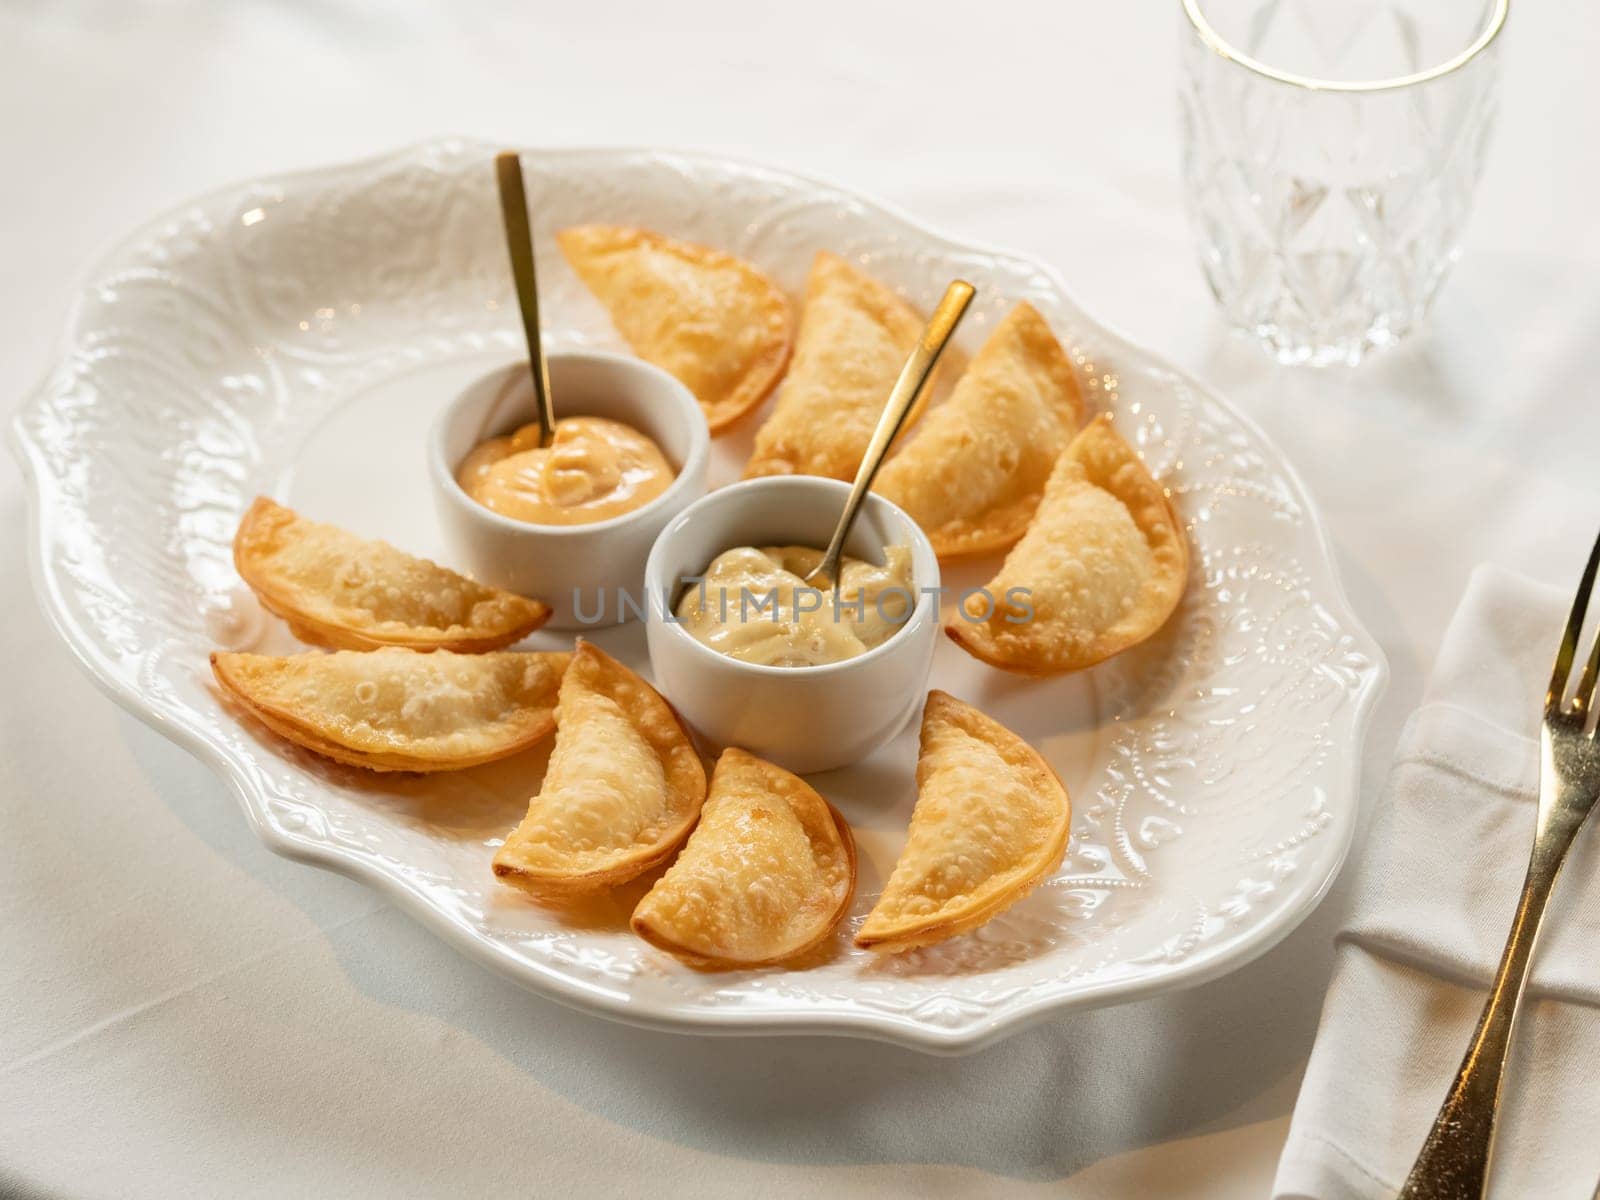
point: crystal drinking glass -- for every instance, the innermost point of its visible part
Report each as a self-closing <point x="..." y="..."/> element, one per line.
<point x="1330" y="152"/>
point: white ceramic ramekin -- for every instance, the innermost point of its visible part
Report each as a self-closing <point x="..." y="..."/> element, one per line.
<point x="803" y="718"/>
<point x="590" y="575"/>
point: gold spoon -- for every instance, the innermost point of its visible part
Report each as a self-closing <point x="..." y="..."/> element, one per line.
<point x="519" y="244"/>
<point x="908" y="389"/>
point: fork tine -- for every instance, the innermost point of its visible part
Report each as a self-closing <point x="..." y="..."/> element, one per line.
<point x="1569" y="641"/>
<point x="1583" y="698"/>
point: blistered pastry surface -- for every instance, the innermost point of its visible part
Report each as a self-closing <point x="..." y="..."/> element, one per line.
<point x="622" y="786"/>
<point x="972" y="474"/>
<point x="990" y="820"/>
<point x="855" y="333"/>
<point x="713" y="320"/>
<point x="350" y="590"/>
<point x="765" y="874"/>
<point x="434" y="707"/>
<point x="1100" y="568"/>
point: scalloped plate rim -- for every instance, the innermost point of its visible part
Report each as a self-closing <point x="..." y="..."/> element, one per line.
<point x="1203" y="966"/>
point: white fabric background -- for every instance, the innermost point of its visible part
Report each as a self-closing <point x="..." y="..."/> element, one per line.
<point x="1429" y="909"/>
<point x="183" y="1013"/>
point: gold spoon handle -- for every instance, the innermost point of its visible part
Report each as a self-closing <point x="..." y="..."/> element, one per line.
<point x="907" y="391"/>
<point x="519" y="244"/>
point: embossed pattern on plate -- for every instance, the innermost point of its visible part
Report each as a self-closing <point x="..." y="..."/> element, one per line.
<point x="293" y="335"/>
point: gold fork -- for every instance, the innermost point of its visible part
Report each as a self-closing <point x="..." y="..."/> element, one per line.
<point x="1454" y="1163"/>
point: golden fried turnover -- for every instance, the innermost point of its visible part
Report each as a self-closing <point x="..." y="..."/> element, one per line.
<point x="346" y="593"/>
<point x="1101" y="567"/>
<point x="623" y="789"/>
<point x="973" y="474"/>
<point x="854" y="337"/>
<point x="399" y="710"/>
<point x="712" y="320"/>
<point x="766" y="875"/>
<point x="990" y="823"/>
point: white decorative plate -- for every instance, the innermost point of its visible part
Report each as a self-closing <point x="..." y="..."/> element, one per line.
<point x="294" y="336"/>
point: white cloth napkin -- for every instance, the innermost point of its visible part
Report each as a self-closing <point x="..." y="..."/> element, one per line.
<point x="1431" y="906"/>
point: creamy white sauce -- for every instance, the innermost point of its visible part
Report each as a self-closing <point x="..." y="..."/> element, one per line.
<point x="754" y="605"/>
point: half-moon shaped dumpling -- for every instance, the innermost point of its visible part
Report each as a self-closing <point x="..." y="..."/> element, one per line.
<point x="990" y="823"/>
<point x="767" y="874"/>
<point x="973" y="474"/>
<point x="1101" y="567"/>
<point x="398" y="710"/>
<point x="712" y="320"/>
<point x="346" y="593"/>
<point x="854" y="337"/>
<point x="622" y="791"/>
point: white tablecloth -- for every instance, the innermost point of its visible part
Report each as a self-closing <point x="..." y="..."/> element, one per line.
<point x="181" y="1013"/>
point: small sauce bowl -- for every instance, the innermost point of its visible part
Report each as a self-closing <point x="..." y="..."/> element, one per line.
<point x="590" y="575"/>
<point x="806" y="719"/>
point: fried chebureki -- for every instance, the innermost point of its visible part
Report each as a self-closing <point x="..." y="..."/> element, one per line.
<point x="991" y="821"/>
<point x="973" y="473"/>
<point x="1102" y="566"/>
<point x="343" y="592"/>
<point x="766" y="875"/>
<point x="712" y="320"/>
<point x="622" y="791"/>
<point x="399" y="710"/>
<point x="854" y="337"/>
